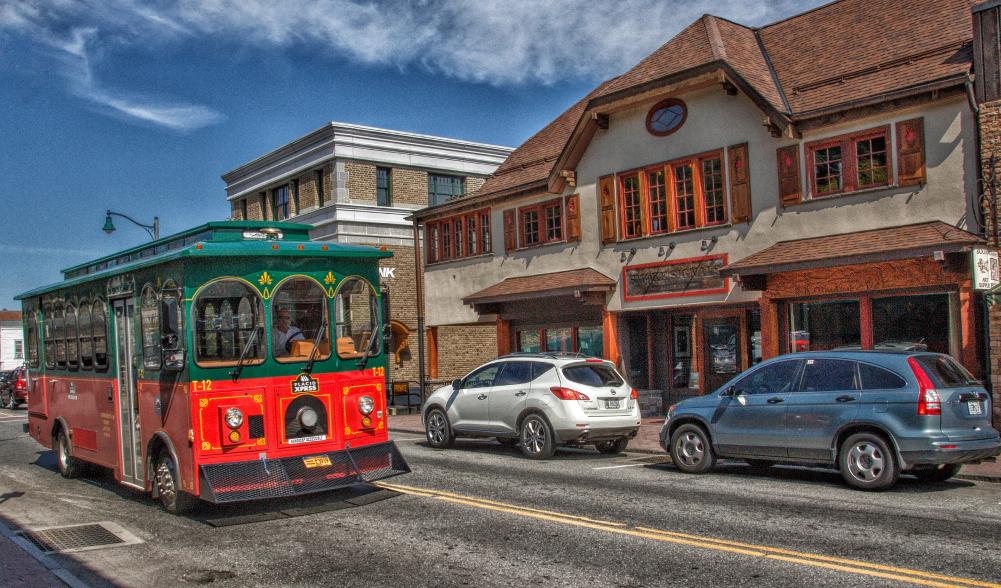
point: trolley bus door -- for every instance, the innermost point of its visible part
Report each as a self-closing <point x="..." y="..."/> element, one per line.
<point x="128" y="394"/>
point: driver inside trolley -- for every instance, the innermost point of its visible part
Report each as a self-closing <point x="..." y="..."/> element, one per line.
<point x="283" y="333"/>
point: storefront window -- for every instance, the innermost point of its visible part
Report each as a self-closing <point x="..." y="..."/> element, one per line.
<point x="559" y="339"/>
<point x="912" y="323"/>
<point x="590" y="341"/>
<point x="528" y="341"/>
<point x="681" y="352"/>
<point x="822" y="326"/>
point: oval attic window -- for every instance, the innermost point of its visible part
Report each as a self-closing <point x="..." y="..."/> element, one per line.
<point x="666" y="117"/>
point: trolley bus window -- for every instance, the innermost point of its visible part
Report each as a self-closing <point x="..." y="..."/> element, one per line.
<point x="99" y="326"/>
<point x="356" y="320"/>
<point x="149" y="315"/>
<point x="59" y="334"/>
<point x="226" y="314"/>
<point x="86" y="337"/>
<point x="72" y="343"/>
<point x="297" y="311"/>
<point x="49" y="337"/>
<point x="171" y="324"/>
<point x="32" y="338"/>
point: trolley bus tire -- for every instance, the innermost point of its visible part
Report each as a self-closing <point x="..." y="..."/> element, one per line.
<point x="69" y="466"/>
<point x="168" y="486"/>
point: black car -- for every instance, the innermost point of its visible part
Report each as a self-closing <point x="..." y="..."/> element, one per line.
<point x="13" y="387"/>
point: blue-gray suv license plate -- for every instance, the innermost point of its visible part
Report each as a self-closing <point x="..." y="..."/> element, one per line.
<point x="974" y="407"/>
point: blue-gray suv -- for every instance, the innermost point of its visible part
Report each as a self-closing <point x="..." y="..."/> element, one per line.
<point x="872" y="414"/>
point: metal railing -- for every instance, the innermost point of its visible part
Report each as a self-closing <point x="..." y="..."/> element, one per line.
<point x="413" y="399"/>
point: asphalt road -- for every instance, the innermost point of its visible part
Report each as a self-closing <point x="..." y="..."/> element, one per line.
<point x="481" y="515"/>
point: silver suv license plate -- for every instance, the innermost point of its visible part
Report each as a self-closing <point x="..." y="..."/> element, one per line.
<point x="611" y="404"/>
<point x="974" y="407"/>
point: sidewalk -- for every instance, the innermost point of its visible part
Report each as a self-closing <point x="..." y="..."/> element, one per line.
<point x="19" y="568"/>
<point x="648" y="441"/>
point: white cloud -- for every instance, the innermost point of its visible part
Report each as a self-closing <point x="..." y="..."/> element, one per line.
<point x="500" y="42"/>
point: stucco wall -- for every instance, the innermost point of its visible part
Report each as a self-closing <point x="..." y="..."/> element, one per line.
<point x="716" y="120"/>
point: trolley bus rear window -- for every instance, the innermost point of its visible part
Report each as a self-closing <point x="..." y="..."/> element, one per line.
<point x="227" y="313"/>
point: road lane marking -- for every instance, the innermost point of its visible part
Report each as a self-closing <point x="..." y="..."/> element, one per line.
<point x="850" y="566"/>
<point x="628" y="465"/>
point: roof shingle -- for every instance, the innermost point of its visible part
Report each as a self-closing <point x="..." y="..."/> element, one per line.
<point x="542" y="285"/>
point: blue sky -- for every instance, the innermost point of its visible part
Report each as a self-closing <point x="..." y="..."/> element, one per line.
<point x="140" y="107"/>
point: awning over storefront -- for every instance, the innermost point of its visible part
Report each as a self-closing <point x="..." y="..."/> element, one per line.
<point x="905" y="242"/>
<point x="586" y="285"/>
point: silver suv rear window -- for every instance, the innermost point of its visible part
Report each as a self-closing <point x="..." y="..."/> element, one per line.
<point x="596" y="374"/>
<point x="945" y="372"/>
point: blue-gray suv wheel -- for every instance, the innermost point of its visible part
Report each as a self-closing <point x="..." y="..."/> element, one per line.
<point x="691" y="450"/>
<point x="867" y="462"/>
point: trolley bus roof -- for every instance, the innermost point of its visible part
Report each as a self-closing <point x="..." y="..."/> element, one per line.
<point x="214" y="239"/>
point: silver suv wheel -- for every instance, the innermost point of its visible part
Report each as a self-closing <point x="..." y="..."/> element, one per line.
<point x="537" y="438"/>
<point x="439" y="434"/>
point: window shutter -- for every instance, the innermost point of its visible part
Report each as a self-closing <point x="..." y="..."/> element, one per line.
<point x="790" y="185"/>
<point x="911" y="152"/>
<point x="606" y="204"/>
<point x="510" y="231"/>
<point x="740" y="184"/>
<point x="573" y="217"/>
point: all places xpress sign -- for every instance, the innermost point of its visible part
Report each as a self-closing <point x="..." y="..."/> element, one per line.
<point x="685" y="277"/>
<point x="986" y="274"/>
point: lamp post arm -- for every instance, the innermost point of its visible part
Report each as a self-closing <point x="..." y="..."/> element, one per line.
<point x="153" y="230"/>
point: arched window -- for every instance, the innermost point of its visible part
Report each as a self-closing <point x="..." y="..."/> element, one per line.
<point x="356" y="317"/>
<point x="49" y="336"/>
<point x="59" y="335"/>
<point x="172" y="326"/>
<point x="99" y="330"/>
<point x="221" y="341"/>
<point x="149" y="318"/>
<point x="299" y="321"/>
<point x="72" y="341"/>
<point x="86" y="337"/>
<point x="32" y="336"/>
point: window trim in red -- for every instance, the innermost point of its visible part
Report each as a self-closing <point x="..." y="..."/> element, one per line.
<point x="849" y="161"/>
<point x="540" y="209"/>
<point x="435" y="231"/>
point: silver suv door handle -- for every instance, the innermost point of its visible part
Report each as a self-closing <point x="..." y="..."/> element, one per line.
<point x="481" y="397"/>
<point x="521" y="393"/>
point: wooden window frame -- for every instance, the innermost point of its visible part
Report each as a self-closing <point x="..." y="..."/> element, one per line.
<point x="848" y="143"/>
<point x="434" y="237"/>
<point x="540" y="209"/>
<point x="646" y="204"/>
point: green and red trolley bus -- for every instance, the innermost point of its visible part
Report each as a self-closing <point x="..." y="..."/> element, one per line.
<point x="233" y="361"/>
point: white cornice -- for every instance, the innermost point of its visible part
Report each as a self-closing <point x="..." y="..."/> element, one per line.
<point x="370" y="144"/>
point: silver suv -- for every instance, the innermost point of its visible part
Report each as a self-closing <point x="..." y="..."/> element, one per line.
<point x="537" y="400"/>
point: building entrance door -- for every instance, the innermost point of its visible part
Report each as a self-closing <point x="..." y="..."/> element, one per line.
<point x="723" y="350"/>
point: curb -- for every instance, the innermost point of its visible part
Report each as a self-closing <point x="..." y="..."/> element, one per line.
<point x="960" y="476"/>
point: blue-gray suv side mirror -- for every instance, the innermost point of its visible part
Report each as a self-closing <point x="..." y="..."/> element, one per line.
<point x="729" y="392"/>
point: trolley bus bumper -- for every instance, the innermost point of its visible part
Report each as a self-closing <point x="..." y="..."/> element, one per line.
<point x="295" y="476"/>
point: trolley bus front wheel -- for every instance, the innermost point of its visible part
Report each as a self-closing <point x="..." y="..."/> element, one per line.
<point x="168" y="487"/>
<point x="69" y="466"/>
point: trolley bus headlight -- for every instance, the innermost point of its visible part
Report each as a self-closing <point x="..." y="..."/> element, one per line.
<point x="307" y="418"/>
<point x="366" y="405"/>
<point x="234" y="418"/>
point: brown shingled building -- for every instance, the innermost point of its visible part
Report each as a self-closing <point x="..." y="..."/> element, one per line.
<point x="740" y="193"/>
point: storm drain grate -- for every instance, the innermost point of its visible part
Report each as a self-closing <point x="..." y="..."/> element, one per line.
<point x="74" y="538"/>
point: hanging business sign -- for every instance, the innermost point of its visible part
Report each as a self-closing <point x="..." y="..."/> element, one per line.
<point x="986" y="273"/>
<point x="684" y="277"/>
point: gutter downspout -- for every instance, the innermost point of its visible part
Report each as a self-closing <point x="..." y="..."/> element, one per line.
<point x="419" y="278"/>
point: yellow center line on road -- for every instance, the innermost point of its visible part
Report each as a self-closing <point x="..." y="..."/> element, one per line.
<point x="850" y="566"/>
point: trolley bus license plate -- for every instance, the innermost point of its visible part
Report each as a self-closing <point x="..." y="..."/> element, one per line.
<point x="317" y="461"/>
<point x="974" y="407"/>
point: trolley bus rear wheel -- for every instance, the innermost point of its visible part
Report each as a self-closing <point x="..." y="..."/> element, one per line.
<point x="168" y="486"/>
<point x="69" y="466"/>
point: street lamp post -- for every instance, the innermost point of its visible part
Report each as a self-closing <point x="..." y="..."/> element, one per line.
<point x="153" y="230"/>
